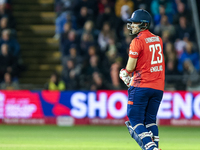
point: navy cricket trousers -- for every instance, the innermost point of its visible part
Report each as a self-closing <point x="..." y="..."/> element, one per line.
<point x="143" y="105"/>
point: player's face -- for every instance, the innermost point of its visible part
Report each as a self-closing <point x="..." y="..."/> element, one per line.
<point x="133" y="27"/>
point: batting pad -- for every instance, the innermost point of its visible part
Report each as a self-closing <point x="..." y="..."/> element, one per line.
<point x="139" y="137"/>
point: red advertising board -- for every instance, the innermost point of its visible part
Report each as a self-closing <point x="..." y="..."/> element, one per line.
<point x="20" y="104"/>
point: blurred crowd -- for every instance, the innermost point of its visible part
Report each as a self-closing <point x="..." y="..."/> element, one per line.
<point x="94" y="41"/>
<point x="10" y="49"/>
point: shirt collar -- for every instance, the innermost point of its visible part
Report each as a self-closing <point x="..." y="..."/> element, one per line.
<point x="145" y="31"/>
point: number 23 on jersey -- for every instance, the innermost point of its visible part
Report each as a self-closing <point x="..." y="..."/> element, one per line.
<point x="156" y="49"/>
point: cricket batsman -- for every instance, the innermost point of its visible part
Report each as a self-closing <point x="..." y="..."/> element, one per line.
<point x="146" y="86"/>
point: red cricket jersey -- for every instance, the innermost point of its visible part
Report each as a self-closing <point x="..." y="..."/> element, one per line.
<point x="150" y="67"/>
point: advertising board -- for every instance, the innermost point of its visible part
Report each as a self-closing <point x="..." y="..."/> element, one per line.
<point x="107" y="107"/>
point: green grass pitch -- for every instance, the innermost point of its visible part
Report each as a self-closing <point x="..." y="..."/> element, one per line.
<point x="91" y="138"/>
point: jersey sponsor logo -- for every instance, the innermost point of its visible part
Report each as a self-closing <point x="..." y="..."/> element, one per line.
<point x="156" y="68"/>
<point x="133" y="53"/>
<point x="152" y="39"/>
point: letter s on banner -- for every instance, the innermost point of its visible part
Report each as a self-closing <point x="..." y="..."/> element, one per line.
<point x="79" y="109"/>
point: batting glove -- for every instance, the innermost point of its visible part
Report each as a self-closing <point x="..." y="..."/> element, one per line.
<point x="123" y="74"/>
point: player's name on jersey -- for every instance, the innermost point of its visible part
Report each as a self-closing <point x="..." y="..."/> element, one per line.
<point x="152" y="39"/>
<point x="156" y="68"/>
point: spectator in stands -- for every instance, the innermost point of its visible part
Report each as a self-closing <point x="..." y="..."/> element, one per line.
<point x="3" y="10"/>
<point x="125" y="13"/>
<point x="109" y="16"/>
<point x="165" y="35"/>
<point x="120" y="3"/>
<point x="61" y="21"/>
<point x="102" y="4"/>
<point x="124" y="33"/>
<point x="112" y="51"/>
<point x="191" y="54"/>
<point x="169" y="52"/>
<point x="168" y="49"/>
<point x="92" y="51"/>
<point x="173" y="77"/>
<point x="97" y="82"/>
<point x="181" y="11"/>
<point x="55" y="83"/>
<point x="91" y="5"/>
<point x="3" y="24"/>
<point x="157" y="17"/>
<point x="185" y="30"/>
<point x="8" y="63"/>
<point x="124" y="49"/>
<point x="109" y="57"/>
<point x="161" y="7"/>
<point x="67" y="42"/>
<point x="190" y="75"/>
<point x="8" y="84"/>
<point x="83" y="16"/>
<point x="89" y="28"/>
<point x="90" y="65"/>
<point x="162" y="11"/>
<point x="12" y="43"/>
<point x="93" y="65"/>
<point x="165" y="26"/>
<point x="184" y="33"/>
<point x="87" y="40"/>
<point x="142" y="4"/>
<point x="179" y="47"/>
<point x="67" y="28"/>
<point x="76" y="58"/>
<point x="2" y="2"/>
<point x="114" y="73"/>
<point x="64" y="6"/>
<point x="70" y="75"/>
<point x="104" y="36"/>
